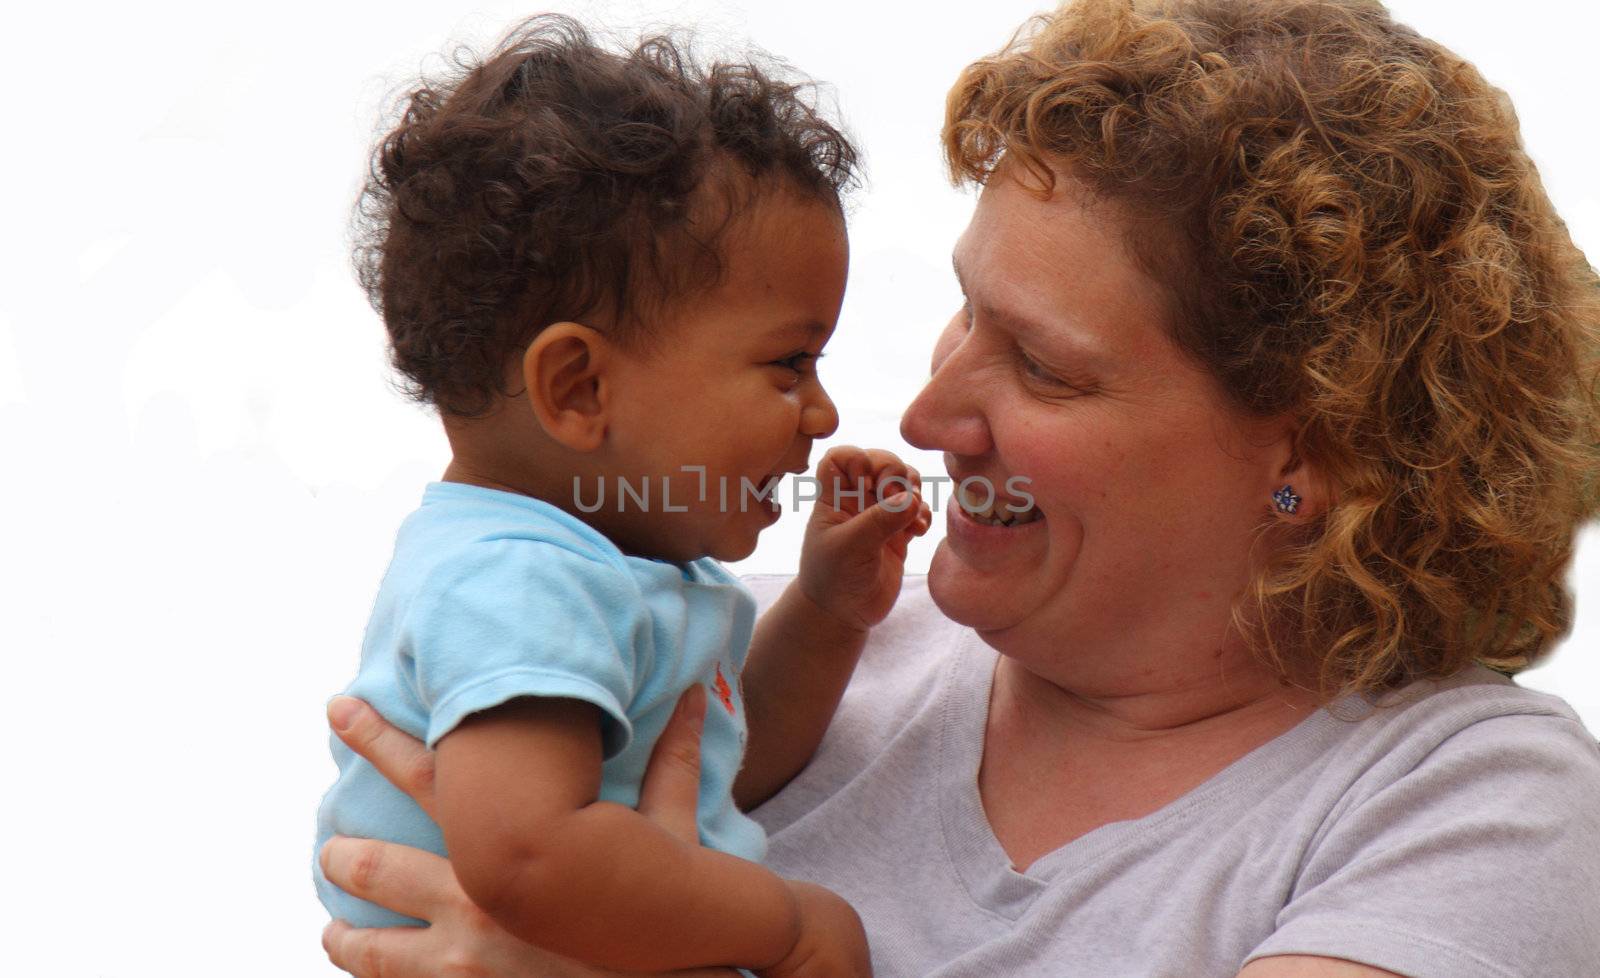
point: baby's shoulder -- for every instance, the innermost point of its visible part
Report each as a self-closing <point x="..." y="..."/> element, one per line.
<point x="463" y="532"/>
<point x="506" y="566"/>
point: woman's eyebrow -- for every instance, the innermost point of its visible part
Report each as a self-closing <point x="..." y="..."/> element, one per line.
<point x="1053" y="336"/>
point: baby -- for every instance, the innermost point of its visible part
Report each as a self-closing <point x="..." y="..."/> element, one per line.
<point x="613" y="275"/>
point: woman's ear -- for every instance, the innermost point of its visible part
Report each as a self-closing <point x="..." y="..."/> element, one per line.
<point x="1300" y="493"/>
<point x="565" y="370"/>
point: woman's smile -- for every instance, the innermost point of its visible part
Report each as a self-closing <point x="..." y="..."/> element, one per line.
<point x="989" y="528"/>
<point x="984" y="542"/>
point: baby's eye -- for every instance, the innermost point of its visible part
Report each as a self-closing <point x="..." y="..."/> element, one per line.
<point x="799" y="362"/>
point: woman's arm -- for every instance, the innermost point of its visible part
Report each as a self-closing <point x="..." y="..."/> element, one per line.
<point x="1311" y="966"/>
<point x="461" y="938"/>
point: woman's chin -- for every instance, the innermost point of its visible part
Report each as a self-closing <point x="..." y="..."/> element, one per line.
<point x="985" y="601"/>
<point x="981" y="574"/>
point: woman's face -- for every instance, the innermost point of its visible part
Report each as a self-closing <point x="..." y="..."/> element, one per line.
<point x="1148" y="490"/>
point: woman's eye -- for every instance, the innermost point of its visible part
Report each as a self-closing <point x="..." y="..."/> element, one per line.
<point x="1035" y="369"/>
<point x="1040" y="373"/>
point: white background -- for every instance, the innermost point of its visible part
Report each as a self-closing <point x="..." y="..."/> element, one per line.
<point x="204" y="467"/>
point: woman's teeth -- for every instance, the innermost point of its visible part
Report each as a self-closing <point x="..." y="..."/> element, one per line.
<point x="1002" y="514"/>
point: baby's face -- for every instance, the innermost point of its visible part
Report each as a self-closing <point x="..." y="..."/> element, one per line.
<point x="732" y="388"/>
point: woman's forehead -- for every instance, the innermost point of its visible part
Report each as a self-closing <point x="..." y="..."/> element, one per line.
<point x="1059" y="265"/>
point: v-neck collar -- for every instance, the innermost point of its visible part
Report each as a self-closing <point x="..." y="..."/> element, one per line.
<point x="976" y="854"/>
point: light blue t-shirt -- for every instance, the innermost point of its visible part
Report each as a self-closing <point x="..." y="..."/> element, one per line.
<point x="493" y="595"/>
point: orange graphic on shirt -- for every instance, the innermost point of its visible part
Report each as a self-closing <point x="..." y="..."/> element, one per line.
<point x="724" y="691"/>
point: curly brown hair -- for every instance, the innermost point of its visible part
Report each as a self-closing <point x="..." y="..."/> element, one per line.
<point x="1354" y="237"/>
<point x="555" y="179"/>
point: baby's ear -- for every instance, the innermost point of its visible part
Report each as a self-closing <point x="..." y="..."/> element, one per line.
<point x="564" y="369"/>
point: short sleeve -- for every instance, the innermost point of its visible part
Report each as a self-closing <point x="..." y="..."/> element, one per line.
<point x="507" y="618"/>
<point x="1481" y="862"/>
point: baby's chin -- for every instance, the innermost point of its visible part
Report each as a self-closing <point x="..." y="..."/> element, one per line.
<point x="726" y="537"/>
<point x="737" y="536"/>
<point x="734" y="549"/>
<point x="725" y="547"/>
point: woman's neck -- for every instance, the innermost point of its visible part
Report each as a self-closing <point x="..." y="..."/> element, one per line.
<point x="1145" y="709"/>
<point x="1057" y="764"/>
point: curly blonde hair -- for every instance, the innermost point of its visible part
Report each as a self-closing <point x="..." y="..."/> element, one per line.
<point x="1355" y="237"/>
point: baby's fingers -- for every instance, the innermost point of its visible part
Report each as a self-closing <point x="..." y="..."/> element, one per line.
<point x="889" y="472"/>
<point x="878" y="525"/>
<point x="887" y="475"/>
<point x="843" y="460"/>
<point x="900" y="542"/>
<point x="854" y="479"/>
<point x="844" y="479"/>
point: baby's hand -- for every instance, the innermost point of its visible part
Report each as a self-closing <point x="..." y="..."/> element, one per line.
<point x="832" y="942"/>
<point x="855" y="547"/>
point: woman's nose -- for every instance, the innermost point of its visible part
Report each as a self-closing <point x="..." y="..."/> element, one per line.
<point x="819" y="418"/>
<point x="946" y="415"/>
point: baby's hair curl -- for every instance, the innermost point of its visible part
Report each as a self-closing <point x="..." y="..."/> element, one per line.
<point x="1354" y="237"/>
<point x="557" y="179"/>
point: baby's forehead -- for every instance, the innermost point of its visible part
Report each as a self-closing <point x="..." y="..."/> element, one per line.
<point x="717" y="319"/>
<point x="779" y="264"/>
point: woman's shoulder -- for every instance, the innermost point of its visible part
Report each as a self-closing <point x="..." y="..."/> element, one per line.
<point x="1475" y="706"/>
<point x="1472" y="794"/>
<point x="1441" y="742"/>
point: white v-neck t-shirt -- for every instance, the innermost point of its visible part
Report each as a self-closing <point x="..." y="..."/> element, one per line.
<point x="1455" y="835"/>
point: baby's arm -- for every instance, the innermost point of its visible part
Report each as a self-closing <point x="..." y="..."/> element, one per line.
<point x="800" y="661"/>
<point x="806" y="645"/>
<point x="516" y="796"/>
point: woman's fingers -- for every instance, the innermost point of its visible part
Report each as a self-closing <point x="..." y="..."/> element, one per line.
<point x="408" y="881"/>
<point x="376" y="952"/>
<point x="670" y="793"/>
<point x="398" y="756"/>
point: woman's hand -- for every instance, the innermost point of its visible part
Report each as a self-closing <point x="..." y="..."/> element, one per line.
<point x="854" y="552"/>
<point x="462" y="940"/>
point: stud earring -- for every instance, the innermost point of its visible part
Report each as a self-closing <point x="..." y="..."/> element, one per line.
<point x="1286" y="499"/>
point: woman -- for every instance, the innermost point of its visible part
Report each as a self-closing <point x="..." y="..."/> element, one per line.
<point x="1267" y="302"/>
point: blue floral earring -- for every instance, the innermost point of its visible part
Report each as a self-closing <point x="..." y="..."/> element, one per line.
<point x="1286" y="499"/>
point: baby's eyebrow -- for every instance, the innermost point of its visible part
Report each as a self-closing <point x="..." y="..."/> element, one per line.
<point x="800" y="328"/>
